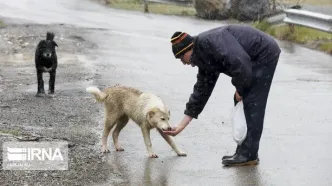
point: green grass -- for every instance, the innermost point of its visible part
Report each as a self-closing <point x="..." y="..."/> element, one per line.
<point x="2" y="24"/>
<point x="326" y="47"/>
<point x="12" y="132"/>
<point x="301" y="35"/>
<point x="156" y="8"/>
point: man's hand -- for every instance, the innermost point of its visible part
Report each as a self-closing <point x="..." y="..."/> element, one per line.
<point x="237" y="96"/>
<point x="176" y="130"/>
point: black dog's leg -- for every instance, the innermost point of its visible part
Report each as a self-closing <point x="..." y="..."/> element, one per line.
<point x="40" y="91"/>
<point x="52" y="82"/>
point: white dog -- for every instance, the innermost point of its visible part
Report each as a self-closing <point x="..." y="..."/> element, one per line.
<point x="145" y="109"/>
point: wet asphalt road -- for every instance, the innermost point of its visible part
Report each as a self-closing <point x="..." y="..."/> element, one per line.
<point x="326" y="9"/>
<point x="134" y="50"/>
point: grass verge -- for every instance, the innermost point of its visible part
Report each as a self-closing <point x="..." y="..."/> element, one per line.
<point x="309" y="37"/>
<point x="156" y="8"/>
<point x="306" y="36"/>
<point x="11" y="132"/>
<point x="2" y="24"/>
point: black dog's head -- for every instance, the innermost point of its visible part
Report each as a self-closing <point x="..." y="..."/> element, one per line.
<point x="47" y="47"/>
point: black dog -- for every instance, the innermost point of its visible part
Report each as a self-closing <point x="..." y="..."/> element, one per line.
<point x="46" y="61"/>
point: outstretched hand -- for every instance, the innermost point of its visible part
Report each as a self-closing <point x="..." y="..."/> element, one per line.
<point x="174" y="131"/>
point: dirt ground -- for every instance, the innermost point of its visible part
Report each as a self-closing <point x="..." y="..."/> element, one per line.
<point x="23" y="115"/>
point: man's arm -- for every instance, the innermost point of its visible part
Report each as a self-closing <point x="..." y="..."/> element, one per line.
<point x="203" y="88"/>
<point x="234" y="58"/>
<point x="198" y="99"/>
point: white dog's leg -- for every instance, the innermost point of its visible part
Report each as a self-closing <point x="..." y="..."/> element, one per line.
<point x="109" y="124"/>
<point x="147" y="141"/>
<point x="104" y="147"/>
<point x="172" y="144"/>
<point x="122" y="122"/>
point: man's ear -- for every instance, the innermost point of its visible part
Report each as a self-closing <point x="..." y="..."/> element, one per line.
<point x="55" y="44"/>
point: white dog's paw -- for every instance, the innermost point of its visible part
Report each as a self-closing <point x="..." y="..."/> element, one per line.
<point x="105" y="150"/>
<point x="182" y="154"/>
<point x="119" y="149"/>
<point x="153" y="156"/>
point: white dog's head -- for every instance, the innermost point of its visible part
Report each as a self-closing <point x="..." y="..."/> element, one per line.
<point x="159" y="119"/>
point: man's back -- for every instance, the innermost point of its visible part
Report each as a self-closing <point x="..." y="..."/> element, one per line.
<point x="255" y="42"/>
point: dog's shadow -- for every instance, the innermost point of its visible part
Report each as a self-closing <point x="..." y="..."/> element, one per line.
<point x="152" y="172"/>
<point x="160" y="168"/>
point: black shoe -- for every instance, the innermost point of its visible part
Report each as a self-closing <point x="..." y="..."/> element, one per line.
<point x="240" y="160"/>
<point x="227" y="157"/>
<point x="236" y="151"/>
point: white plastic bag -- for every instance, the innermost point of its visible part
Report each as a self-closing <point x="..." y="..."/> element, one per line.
<point x="239" y="123"/>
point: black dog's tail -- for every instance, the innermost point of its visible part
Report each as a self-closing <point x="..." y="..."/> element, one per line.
<point x="50" y="36"/>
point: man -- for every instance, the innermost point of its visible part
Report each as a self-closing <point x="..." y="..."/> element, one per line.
<point x="244" y="53"/>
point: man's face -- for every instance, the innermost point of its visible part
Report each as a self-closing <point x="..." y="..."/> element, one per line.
<point x="185" y="58"/>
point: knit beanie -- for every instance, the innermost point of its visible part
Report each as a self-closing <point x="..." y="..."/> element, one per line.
<point x="181" y="43"/>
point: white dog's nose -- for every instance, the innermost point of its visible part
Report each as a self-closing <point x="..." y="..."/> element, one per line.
<point x="167" y="128"/>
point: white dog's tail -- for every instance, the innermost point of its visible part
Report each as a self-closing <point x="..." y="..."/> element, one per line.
<point x="99" y="95"/>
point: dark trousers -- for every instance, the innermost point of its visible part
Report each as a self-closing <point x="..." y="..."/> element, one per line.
<point x="254" y="103"/>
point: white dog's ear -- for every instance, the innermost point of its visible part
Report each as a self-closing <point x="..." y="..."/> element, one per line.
<point x="151" y="113"/>
<point x="169" y="113"/>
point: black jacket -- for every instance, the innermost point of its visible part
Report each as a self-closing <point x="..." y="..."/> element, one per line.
<point x="234" y="50"/>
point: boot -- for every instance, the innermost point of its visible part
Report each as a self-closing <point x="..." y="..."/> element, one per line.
<point x="227" y="157"/>
<point x="240" y="160"/>
<point x="236" y="151"/>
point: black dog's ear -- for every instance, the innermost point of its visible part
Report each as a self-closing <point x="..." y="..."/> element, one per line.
<point x="40" y="45"/>
<point x="41" y="42"/>
<point x="55" y="44"/>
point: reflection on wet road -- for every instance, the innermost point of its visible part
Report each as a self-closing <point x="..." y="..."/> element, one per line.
<point x="295" y="146"/>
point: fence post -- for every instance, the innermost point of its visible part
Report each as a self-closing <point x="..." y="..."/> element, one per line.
<point x="291" y="28"/>
<point x="274" y="6"/>
<point x="146" y="7"/>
